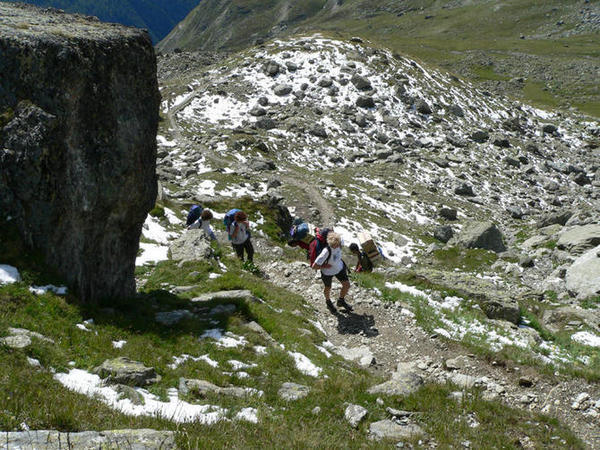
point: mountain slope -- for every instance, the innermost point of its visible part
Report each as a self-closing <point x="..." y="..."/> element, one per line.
<point x="542" y="51"/>
<point x="158" y="16"/>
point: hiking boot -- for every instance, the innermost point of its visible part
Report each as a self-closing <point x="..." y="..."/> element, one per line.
<point x="330" y="306"/>
<point x="342" y="304"/>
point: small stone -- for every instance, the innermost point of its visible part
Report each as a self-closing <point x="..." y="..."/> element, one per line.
<point x="354" y="414"/>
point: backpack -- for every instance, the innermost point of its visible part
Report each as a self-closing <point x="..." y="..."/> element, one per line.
<point x="299" y="231"/>
<point x="194" y="214"/>
<point x="318" y="244"/>
<point x="229" y="219"/>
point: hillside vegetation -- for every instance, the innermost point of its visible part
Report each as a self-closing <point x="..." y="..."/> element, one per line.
<point x="157" y="16"/>
<point x="545" y="52"/>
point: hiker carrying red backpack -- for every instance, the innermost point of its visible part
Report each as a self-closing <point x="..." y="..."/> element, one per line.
<point x="329" y="261"/>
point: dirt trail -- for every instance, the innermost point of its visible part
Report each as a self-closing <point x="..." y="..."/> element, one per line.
<point x="324" y="207"/>
<point x="393" y="336"/>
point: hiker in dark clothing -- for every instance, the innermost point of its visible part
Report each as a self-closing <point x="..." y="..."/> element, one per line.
<point x="363" y="263"/>
<point x="239" y="232"/>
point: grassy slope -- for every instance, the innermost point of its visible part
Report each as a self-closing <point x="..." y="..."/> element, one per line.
<point x="42" y="403"/>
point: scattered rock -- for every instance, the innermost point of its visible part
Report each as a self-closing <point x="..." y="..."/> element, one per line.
<point x="483" y="235"/>
<point x="192" y="245"/>
<point x="221" y="296"/>
<point x="17" y="342"/>
<point x="577" y="240"/>
<point x="122" y="370"/>
<point x="388" y="429"/>
<point x="443" y="233"/>
<point x="365" y="101"/>
<point x="92" y="440"/>
<point x="293" y="391"/>
<point x="202" y="388"/>
<point x="362" y="354"/>
<point x="354" y="414"/>
<point x="404" y="381"/>
<point x="583" y="277"/>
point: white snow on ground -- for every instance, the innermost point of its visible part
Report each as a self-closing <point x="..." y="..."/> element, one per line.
<point x="33" y="362"/>
<point x="586" y="338"/>
<point x="260" y="349"/>
<point x="161" y="140"/>
<point x="9" y="274"/>
<point x="151" y="253"/>
<point x="176" y="410"/>
<point x="224" y="339"/>
<point x="238" y="365"/>
<point x="324" y="351"/>
<point x="305" y="365"/>
<point x="40" y="290"/>
<point x="207" y="187"/>
<point x="179" y="360"/>
<point x="248" y="414"/>
<point x="406" y="289"/>
<point x="154" y="231"/>
<point x="461" y="328"/>
<point x="118" y="344"/>
<point x="172" y="217"/>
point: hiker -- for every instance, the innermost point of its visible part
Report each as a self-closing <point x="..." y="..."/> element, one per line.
<point x="205" y="219"/>
<point x="239" y="232"/>
<point x="332" y="265"/>
<point x="193" y="218"/>
<point x="363" y="263"/>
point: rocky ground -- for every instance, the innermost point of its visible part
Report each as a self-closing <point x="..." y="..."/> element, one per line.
<point x="351" y="136"/>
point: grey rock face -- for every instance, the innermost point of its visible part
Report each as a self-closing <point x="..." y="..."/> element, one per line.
<point x="422" y="107"/>
<point x="16" y="342"/>
<point x="480" y="136"/>
<point x="556" y="319"/>
<point x="293" y="391"/>
<point x="282" y="89"/>
<point x="388" y="429"/>
<point x="201" y="388"/>
<point x="578" y="239"/>
<point x="193" y="245"/>
<point x="125" y="371"/>
<point x="404" y="381"/>
<point x="365" y="101"/>
<point x="242" y="295"/>
<point x="78" y="151"/>
<point x="481" y="235"/>
<point x="554" y="218"/>
<point x="361" y="83"/>
<point x="443" y="233"/>
<point x="354" y="414"/>
<point x="363" y="355"/>
<point x="464" y="189"/>
<point x="583" y="277"/>
<point x="92" y="440"/>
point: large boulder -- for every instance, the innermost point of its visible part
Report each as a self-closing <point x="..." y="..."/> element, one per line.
<point x="583" y="277"/>
<point x="78" y="119"/>
<point x="122" y="370"/>
<point x="404" y="381"/>
<point x="577" y="240"/>
<point x="481" y="235"/>
<point x="192" y="245"/>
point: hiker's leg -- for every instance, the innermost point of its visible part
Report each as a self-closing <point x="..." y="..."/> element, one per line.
<point x="249" y="249"/>
<point x="239" y="250"/>
<point x="327" y="279"/>
<point x="345" y="289"/>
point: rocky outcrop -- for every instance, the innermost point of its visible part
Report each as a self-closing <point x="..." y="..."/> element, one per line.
<point x="125" y="371"/>
<point x="193" y="245"/>
<point x="78" y="118"/>
<point x="481" y="235"/>
<point x="50" y="440"/>
<point x="583" y="277"/>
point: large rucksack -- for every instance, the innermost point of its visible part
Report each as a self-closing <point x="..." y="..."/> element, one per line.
<point x="318" y="244"/>
<point x="229" y="218"/>
<point x="299" y="231"/>
<point x="194" y="214"/>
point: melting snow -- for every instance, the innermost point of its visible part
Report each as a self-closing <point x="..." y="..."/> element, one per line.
<point x="151" y="253"/>
<point x="227" y="339"/>
<point x="179" y="360"/>
<point x="305" y="365"/>
<point x="248" y="414"/>
<point x="176" y="410"/>
<point x="586" y="338"/>
<point x="40" y="290"/>
<point x="118" y="344"/>
<point x="9" y="274"/>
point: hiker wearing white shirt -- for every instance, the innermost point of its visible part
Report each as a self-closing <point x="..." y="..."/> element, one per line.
<point x="240" y="236"/>
<point x="331" y="264"/>
<point x="206" y="217"/>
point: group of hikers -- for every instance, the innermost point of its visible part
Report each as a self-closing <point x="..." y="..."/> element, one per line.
<point x="324" y="249"/>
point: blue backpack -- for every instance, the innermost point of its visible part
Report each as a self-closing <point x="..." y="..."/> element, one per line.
<point x="228" y="219"/>
<point x="299" y="232"/>
<point x="194" y="214"/>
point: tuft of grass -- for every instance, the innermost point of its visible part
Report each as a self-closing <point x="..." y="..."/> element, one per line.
<point x="469" y="260"/>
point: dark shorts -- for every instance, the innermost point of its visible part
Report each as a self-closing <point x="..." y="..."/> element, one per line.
<point x="342" y="275"/>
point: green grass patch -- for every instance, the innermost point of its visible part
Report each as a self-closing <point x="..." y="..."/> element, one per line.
<point x="469" y="260"/>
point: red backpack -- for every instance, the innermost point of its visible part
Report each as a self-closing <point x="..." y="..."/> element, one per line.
<point x="318" y="244"/>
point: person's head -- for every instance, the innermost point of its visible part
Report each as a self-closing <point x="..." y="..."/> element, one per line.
<point x="334" y="240"/>
<point x="240" y="216"/>
<point x="354" y="247"/>
<point x="206" y="215"/>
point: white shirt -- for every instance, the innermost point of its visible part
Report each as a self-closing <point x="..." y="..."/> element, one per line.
<point x="242" y="234"/>
<point x="335" y="260"/>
